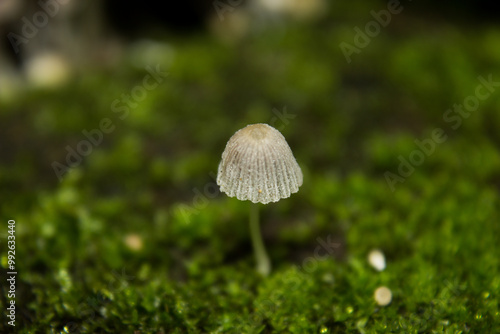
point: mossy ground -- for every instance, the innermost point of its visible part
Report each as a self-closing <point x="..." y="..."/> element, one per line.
<point x="348" y="125"/>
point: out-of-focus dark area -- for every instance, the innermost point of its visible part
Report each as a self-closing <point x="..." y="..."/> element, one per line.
<point x="113" y="118"/>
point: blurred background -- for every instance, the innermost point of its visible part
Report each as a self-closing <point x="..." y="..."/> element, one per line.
<point x="113" y="118"/>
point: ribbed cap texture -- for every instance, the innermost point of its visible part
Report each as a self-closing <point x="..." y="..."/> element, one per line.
<point x="258" y="165"/>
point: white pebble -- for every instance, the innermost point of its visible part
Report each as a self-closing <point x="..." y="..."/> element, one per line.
<point x="383" y="296"/>
<point x="377" y="259"/>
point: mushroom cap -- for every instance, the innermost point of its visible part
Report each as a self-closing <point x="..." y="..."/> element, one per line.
<point x="383" y="296"/>
<point x="377" y="259"/>
<point x="258" y="165"/>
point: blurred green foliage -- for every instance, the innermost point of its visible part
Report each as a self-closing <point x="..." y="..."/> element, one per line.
<point x="151" y="179"/>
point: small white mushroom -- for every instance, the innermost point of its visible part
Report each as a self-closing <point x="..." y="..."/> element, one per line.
<point x="383" y="296"/>
<point x="259" y="166"/>
<point x="377" y="259"/>
<point x="134" y="242"/>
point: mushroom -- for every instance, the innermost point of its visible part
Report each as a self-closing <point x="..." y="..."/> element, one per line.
<point x="258" y="165"/>
<point x="383" y="296"/>
<point x="377" y="259"/>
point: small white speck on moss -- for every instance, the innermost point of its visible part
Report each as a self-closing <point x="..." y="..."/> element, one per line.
<point x="383" y="296"/>
<point x="133" y="242"/>
<point x="377" y="259"/>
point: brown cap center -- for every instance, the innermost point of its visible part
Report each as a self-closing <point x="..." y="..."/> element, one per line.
<point x="258" y="131"/>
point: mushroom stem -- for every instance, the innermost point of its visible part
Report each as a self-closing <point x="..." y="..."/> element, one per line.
<point x="263" y="263"/>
